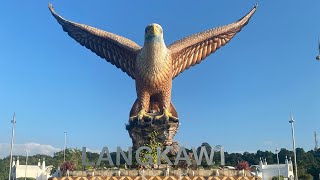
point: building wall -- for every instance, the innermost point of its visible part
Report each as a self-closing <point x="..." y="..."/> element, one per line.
<point x="270" y="170"/>
<point x="32" y="171"/>
<point x="39" y="172"/>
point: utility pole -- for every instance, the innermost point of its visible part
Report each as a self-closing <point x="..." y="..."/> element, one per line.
<point x="294" y="147"/>
<point x="65" y="146"/>
<point x="13" y="121"/>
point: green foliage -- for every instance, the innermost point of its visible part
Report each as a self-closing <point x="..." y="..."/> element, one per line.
<point x="72" y="155"/>
<point x="277" y="178"/>
<point x="153" y="145"/>
<point x="28" y="178"/>
<point x="208" y="149"/>
<point x="4" y="168"/>
<point x="305" y="176"/>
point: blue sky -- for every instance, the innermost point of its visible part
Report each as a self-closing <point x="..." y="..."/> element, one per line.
<point x="239" y="97"/>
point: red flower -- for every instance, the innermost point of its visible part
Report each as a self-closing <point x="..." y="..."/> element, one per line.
<point x="243" y="165"/>
<point x="67" y="166"/>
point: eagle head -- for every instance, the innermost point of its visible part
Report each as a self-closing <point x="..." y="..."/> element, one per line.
<point x="153" y="33"/>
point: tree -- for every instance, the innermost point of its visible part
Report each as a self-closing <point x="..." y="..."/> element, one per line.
<point x="4" y="168"/>
<point x="268" y="155"/>
<point x="305" y="177"/>
<point x="208" y="148"/>
<point x="72" y="155"/>
<point x="283" y="153"/>
<point x="251" y="158"/>
<point x="233" y="158"/>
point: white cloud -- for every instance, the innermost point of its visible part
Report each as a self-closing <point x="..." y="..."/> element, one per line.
<point x="32" y="148"/>
<point x="93" y="150"/>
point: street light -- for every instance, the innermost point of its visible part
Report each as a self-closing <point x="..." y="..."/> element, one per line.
<point x="65" y="146"/>
<point x="277" y="152"/>
<point x="13" y="121"/>
<point x="294" y="147"/>
<point x="25" y="172"/>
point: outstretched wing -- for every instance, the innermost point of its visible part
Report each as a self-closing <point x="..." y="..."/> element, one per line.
<point x="116" y="49"/>
<point x="193" y="49"/>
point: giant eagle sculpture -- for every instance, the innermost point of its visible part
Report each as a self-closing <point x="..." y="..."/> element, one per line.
<point x="155" y="65"/>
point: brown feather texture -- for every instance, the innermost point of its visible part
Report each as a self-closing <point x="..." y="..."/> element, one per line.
<point x="193" y="49"/>
<point x="117" y="50"/>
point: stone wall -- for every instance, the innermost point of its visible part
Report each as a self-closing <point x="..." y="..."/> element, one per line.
<point x="157" y="178"/>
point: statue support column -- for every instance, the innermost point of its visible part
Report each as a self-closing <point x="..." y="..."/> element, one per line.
<point x="139" y="130"/>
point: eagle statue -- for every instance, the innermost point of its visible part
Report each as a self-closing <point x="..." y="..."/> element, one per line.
<point x="155" y="65"/>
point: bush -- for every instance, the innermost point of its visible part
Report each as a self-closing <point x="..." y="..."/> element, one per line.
<point x="276" y="178"/>
<point x="305" y="177"/>
<point x="67" y="166"/>
<point x="243" y="165"/>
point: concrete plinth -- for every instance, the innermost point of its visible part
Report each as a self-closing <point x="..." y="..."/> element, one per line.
<point x="139" y="130"/>
<point x="158" y="178"/>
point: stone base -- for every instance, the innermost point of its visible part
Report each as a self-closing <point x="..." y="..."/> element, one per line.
<point x="139" y="130"/>
<point x="158" y="174"/>
<point x="156" y="177"/>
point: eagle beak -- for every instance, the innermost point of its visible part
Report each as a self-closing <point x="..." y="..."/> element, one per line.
<point x="154" y="30"/>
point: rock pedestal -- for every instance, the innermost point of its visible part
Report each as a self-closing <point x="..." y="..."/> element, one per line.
<point x="139" y="130"/>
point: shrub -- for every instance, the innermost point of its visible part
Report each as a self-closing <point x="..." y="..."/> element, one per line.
<point x="276" y="178"/>
<point x="67" y="166"/>
<point x="305" y="177"/>
<point x="243" y="165"/>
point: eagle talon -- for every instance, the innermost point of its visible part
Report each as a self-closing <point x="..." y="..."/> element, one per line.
<point x="141" y="115"/>
<point x="174" y="119"/>
<point x="166" y="115"/>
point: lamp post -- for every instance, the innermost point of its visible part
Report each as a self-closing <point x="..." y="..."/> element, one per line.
<point x="294" y="147"/>
<point x="277" y="152"/>
<point x="25" y="172"/>
<point x="13" y="121"/>
<point x="65" y="146"/>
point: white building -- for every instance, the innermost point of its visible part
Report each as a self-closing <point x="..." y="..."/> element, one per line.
<point x="266" y="172"/>
<point x="39" y="172"/>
